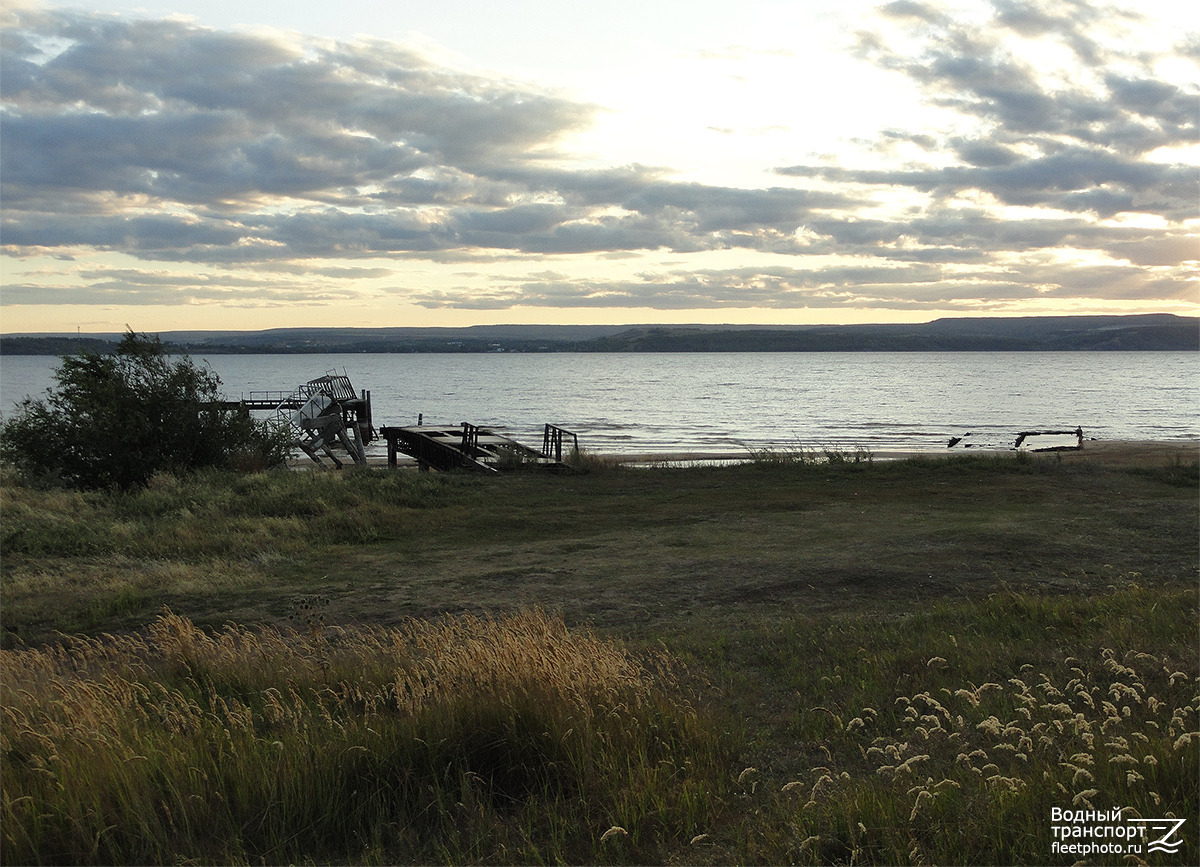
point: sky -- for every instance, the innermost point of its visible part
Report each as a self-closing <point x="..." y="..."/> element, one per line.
<point x="220" y="165"/>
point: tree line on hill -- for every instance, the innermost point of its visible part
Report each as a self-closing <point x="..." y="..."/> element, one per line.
<point x="1046" y="333"/>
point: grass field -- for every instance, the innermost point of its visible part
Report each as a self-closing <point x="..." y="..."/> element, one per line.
<point x="788" y="661"/>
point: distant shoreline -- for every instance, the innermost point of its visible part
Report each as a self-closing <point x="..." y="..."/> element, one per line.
<point x="1134" y="333"/>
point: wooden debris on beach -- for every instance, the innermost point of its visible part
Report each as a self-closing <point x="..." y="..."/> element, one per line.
<point x="1024" y="436"/>
<point x="474" y="448"/>
<point x="1077" y="433"/>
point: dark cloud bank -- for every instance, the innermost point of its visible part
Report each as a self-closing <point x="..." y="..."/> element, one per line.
<point x="262" y="159"/>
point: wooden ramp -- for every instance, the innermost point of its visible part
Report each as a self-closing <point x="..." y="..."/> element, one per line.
<point x="465" y="447"/>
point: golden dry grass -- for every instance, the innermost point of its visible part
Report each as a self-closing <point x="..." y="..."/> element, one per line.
<point x="421" y="742"/>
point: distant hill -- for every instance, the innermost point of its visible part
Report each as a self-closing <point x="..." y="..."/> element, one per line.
<point x="1160" y="331"/>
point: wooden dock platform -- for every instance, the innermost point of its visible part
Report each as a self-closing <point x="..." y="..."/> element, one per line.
<point x="464" y="447"/>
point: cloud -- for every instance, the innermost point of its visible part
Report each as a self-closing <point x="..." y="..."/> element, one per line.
<point x="173" y="142"/>
<point x="1078" y="179"/>
<point x="177" y="113"/>
<point x="139" y="287"/>
<point x="1070" y="141"/>
<point x="267" y="164"/>
<point x="932" y="286"/>
<point x="994" y="72"/>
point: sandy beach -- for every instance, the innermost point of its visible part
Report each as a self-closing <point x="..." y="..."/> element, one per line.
<point x="1137" y="452"/>
<point x="1128" y="452"/>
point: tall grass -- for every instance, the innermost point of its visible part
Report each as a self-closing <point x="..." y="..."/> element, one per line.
<point x="971" y="775"/>
<point x="225" y="514"/>
<point x="454" y="740"/>
<point x="808" y="456"/>
<point x="949" y="737"/>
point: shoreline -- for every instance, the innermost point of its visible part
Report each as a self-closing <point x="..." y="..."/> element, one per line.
<point x="1134" y="452"/>
<point x="1105" y="451"/>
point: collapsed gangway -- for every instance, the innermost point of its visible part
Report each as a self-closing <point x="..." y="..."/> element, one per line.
<point x="322" y="415"/>
<point x="468" y="446"/>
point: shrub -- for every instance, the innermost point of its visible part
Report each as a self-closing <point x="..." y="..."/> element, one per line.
<point x="116" y="420"/>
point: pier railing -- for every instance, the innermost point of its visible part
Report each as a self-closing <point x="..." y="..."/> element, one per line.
<point x="552" y="442"/>
<point x="470" y="438"/>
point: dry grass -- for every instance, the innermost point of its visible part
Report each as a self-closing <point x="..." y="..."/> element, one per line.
<point x="437" y="741"/>
<point x="838" y="620"/>
<point x="950" y="736"/>
<point x="971" y="775"/>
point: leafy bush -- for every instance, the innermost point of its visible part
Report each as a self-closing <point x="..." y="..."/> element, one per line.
<point x="116" y="420"/>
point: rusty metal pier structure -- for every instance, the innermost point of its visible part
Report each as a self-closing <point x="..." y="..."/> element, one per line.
<point x="326" y="415"/>
<point x="323" y="415"/>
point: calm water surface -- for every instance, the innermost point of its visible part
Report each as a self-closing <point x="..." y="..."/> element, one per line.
<point x="728" y="402"/>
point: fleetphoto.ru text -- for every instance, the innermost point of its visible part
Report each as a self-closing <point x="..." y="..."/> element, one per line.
<point x="1080" y="833"/>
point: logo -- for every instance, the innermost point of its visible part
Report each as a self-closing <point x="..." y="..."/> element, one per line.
<point x="1109" y="832"/>
<point x="1166" y="829"/>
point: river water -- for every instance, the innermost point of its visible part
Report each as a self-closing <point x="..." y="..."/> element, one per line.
<point x="727" y="403"/>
